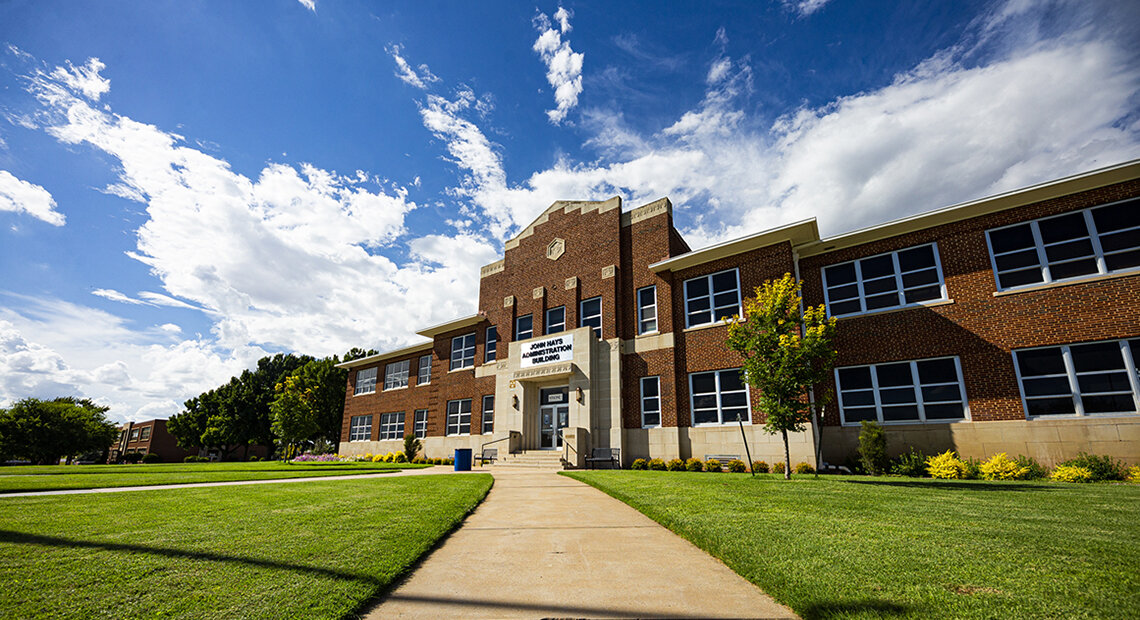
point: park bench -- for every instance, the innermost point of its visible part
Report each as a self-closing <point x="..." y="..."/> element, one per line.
<point x="488" y="456"/>
<point x="605" y="455"/>
<point x="722" y="458"/>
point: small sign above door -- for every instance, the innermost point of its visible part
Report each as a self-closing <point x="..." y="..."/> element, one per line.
<point x="558" y="348"/>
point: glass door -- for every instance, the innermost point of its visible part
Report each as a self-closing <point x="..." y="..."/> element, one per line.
<point x="553" y="416"/>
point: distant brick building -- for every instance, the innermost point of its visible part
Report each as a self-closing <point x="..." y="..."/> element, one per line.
<point x="1010" y="323"/>
<point x="150" y="437"/>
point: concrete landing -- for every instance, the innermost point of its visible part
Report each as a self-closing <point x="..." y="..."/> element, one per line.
<point x="543" y="545"/>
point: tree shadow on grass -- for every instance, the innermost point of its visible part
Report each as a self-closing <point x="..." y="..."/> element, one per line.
<point x="845" y="609"/>
<point x="954" y="485"/>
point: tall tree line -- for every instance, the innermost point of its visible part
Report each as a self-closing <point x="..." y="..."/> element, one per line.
<point x="43" y="431"/>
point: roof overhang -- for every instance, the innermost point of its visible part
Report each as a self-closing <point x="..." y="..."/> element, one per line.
<point x="379" y="357"/>
<point x="798" y="233"/>
<point x="450" y="326"/>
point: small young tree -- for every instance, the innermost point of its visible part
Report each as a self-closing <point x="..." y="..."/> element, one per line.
<point x="411" y="446"/>
<point x="292" y="411"/>
<point x="785" y="354"/>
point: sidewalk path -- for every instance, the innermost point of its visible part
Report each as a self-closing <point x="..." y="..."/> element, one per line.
<point x="543" y="545"/>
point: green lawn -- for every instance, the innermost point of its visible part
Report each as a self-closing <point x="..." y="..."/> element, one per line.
<point x="838" y="547"/>
<point x="321" y="549"/>
<point x="55" y="477"/>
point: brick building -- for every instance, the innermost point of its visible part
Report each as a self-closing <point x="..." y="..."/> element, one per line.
<point x="150" y="437"/>
<point x="1010" y="323"/>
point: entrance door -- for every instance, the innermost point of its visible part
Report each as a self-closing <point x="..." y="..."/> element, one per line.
<point x="553" y="415"/>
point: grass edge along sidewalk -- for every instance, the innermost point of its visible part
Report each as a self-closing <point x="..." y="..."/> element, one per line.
<point x="867" y="547"/>
<point x="23" y="479"/>
<point x="319" y="550"/>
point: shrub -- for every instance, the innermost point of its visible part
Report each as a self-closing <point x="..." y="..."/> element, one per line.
<point x="912" y="463"/>
<point x="449" y="461"/>
<point x="1101" y="467"/>
<point x="419" y="460"/>
<point x="400" y="458"/>
<point x="712" y="465"/>
<point x="412" y="446"/>
<point x="759" y="467"/>
<point x="676" y="465"/>
<point x="1133" y="474"/>
<point x="778" y="467"/>
<point x="804" y="468"/>
<point x="323" y="446"/>
<point x="151" y="457"/>
<point x="694" y="464"/>
<point x="946" y="466"/>
<point x="639" y="464"/>
<point x="132" y="457"/>
<point x="737" y="466"/>
<point x="1037" y="471"/>
<point x="657" y="465"/>
<point x="973" y="469"/>
<point x="378" y="458"/>
<point x="1000" y="467"/>
<point x="1072" y="473"/>
<point x="873" y="448"/>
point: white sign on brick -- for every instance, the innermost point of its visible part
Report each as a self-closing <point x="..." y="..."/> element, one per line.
<point x="547" y="351"/>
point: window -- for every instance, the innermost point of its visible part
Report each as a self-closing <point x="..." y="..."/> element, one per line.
<point x="556" y="320"/>
<point x="524" y="327"/>
<point x="646" y="310"/>
<point x="134" y="434"/>
<point x="650" y="401"/>
<point x="462" y="352"/>
<point x="419" y="424"/>
<point x="488" y="414"/>
<point x="718" y="397"/>
<point x="711" y="298"/>
<point x="459" y="417"/>
<point x="360" y="428"/>
<point x="492" y="344"/>
<point x="890" y="280"/>
<point x="396" y="375"/>
<point x="1096" y="241"/>
<point x="365" y="381"/>
<point x="1080" y="379"/>
<point x="590" y="315"/>
<point x="144" y="434"/>
<point x="392" y="425"/>
<point x="424" y="370"/>
<point x="917" y="391"/>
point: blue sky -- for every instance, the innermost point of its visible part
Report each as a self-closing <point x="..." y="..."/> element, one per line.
<point x="188" y="186"/>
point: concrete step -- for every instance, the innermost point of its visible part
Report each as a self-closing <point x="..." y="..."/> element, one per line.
<point x="544" y="459"/>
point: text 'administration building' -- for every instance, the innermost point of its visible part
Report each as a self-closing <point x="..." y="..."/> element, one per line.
<point x="1008" y="324"/>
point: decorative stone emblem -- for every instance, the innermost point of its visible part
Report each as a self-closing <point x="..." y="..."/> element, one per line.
<point x="571" y="282"/>
<point x="608" y="272"/>
<point x="538" y="292"/>
<point x="508" y="301"/>
<point x="556" y="248"/>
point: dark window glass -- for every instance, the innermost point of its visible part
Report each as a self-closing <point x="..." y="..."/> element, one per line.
<point x="524" y="327"/>
<point x="937" y="371"/>
<point x="862" y="397"/>
<point x="893" y="374"/>
<point x="1047" y="386"/>
<point x="896" y="414"/>
<point x="877" y="267"/>
<point x="1109" y="403"/>
<point x="949" y="411"/>
<point x="916" y="258"/>
<point x="1097" y="356"/>
<point x="1041" y="362"/>
<point x="1123" y="260"/>
<point x="1116" y="217"/>
<point x="858" y="414"/>
<point x="1068" y="251"/>
<point x="1013" y="238"/>
<point x="1076" y="268"/>
<point x="855" y="378"/>
<point x="940" y="393"/>
<point x="1063" y="228"/>
<point x="840" y="274"/>
<point x="1020" y="278"/>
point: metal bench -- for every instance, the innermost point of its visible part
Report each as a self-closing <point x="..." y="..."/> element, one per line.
<point x="604" y="455"/>
<point x="488" y="456"/>
<point x="723" y="459"/>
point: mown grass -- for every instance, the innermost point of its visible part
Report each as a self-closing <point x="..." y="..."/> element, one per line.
<point x="22" y="478"/>
<point x="862" y="547"/>
<point x="321" y="549"/>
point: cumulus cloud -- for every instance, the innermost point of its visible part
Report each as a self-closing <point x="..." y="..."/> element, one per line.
<point x="309" y="4"/>
<point x="21" y="196"/>
<point x="563" y="64"/>
<point x="419" y="78"/>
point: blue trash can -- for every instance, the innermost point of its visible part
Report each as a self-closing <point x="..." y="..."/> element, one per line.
<point x="463" y="459"/>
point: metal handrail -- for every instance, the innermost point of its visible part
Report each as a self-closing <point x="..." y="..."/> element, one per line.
<point x="507" y="438"/>
<point x="565" y="446"/>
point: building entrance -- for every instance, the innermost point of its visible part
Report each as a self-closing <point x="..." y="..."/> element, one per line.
<point x="553" y="416"/>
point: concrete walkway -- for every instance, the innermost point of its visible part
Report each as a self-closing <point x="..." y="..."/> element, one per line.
<point x="543" y="545"/>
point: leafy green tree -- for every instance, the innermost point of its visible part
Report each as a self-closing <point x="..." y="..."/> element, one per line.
<point x="411" y="446"/>
<point x="294" y="421"/>
<point x="43" y="431"/>
<point x="785" y="354"/>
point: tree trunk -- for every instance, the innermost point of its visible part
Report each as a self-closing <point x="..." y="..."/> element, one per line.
<point x="787" y="457"/>
<point x="818" y="436"/>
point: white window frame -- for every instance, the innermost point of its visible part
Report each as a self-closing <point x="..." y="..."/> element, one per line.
<point x="396" y="374"/>
<point x="708" y="278"/>
<point x="1042" y="259"/>
<point x="916" y="384"/>
<point x="419" y="423"/>
<point x="360" y="428"/>
<point x="547" y="322"/>
<point x="423" y="370"/>
<point x="1126" y="346"/>
<point x="392" y="425"/>
<point x="582" y="318"/>
<point x="645" y="401"/>
<point x="900" y="291"/>
<point x="365" y="381"/>
<point x="488" y="429"/>
<point x="518" y="330"/>
<point x="747" y="419"/>
<point x="490" y="344"/>
<point x="144" y="433"/>
<point x="460" y="344"/>
<point x="641" y="320"/>
<point x="455" y="423"/>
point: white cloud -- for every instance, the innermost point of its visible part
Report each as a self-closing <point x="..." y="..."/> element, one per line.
<point x="84" y="79"/>
<point x="563" y="64"/>
<point x="420" y="79"/>
<point x="23" y="197"/>
<point x="309" y="4"/>
<point x="805" y="7"/>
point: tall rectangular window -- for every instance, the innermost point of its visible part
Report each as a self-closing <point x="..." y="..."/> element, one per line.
<point x="365" y="382"/>
<point x="492" y="344"/>
<point x="134" y="434"/>
<point x="928" y="390"/>
<point x="590" y="315"/>
<point x="488" y="414"/>
<point x="463" y="352"/>
<point x="1097" y="241"/>
<point x="459" y="417"/>
<point x="1080" y="379"/>
<point x="396" y="374"/>
<point x="144" y="434"/>
<point x="890" y="280"/>
<point x="556" y="320"/>
<point x="423" y="374"/>
<point x="711" y="298"/>
<point x="717" y="397"/>
<point x="392" y="425"/>
<point x="647" y="310"/>
<point x="650" y="401"/>
<point x="419" y="423"/>
<point x="524" y="327"/>
<point x="360" y="428"/>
